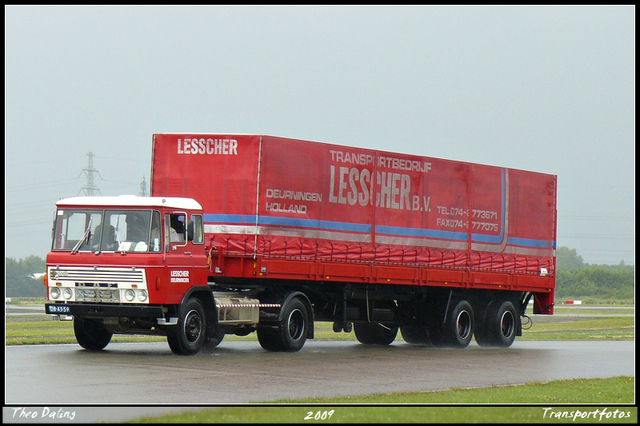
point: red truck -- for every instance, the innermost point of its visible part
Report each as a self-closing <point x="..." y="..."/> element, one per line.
<point x="247" y="233"/>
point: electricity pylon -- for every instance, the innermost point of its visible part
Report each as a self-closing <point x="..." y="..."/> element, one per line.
<point x="90" y="188"/>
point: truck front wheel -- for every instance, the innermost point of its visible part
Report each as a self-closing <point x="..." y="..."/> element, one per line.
<point x="215" y="338"/>
<point x="91" y="334"/>
<point x="188" y="336"/>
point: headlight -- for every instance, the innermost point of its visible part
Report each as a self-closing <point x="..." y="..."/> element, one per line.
<point x="67" y="293"/>
<point x="129" y="295"/>
<point x="142" y="296"/>
<point x="55" y="292"/>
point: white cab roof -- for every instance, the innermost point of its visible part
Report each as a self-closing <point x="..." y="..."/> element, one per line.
<point x="132" y="201"/>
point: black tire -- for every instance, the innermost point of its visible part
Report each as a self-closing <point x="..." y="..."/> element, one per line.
<point x="188" y="336"/>
<point x="294" y="327"/>
<point x="91" y="334"/>
<point x="436" y="330"/>
<point x="413" y="315"/>
<point x="502" y="324"/>
<point x="370" y="333"/>
<point x="415" y="334"/>
<point x="291" y="332"/>
<point x="481" y="332"/>
<point x="499" y="325"/>
<point x="269" y="339"/>
<point x="215" y="338"/>
<point x="458" y="329"/>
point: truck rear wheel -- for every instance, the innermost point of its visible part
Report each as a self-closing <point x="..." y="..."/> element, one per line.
<point x="294" y="326"/>
<point x="91" y="334"/>
<point x="291" y="332"/>
<point x="269" y="339"/>
<point x="188" y="336"/>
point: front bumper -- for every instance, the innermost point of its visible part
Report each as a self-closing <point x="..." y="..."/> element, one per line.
<point x="98" y="310"/>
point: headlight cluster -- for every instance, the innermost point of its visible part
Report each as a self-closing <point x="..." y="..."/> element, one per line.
<point x="91" y="295"/>
<point x="54" y="292"/>
<point x="66" y="293"/>
<point x="130" y="295"/>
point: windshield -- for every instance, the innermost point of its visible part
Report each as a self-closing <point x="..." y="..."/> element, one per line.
<point x="107" y="230"/>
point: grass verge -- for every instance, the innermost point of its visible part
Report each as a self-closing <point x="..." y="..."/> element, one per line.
<point x="40" y="329"/>
<point x="413" y="408"/>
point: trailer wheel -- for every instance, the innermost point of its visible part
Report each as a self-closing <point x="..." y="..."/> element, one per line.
<point x="91" y="334"/>
<point x="415" y="334"/>
<point x="481" y="332"/>
<point x="498" y="325"/>
<point x="458" y="329"/>
<point x="435" y="330"/>
<point x="370" y="333"/>
<point x="501" y="324"/>
<point x="414" y="322"/>
<point x="188" y="336"/>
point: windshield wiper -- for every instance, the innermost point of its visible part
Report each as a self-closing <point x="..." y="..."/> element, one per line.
<point x="84" y="237"/>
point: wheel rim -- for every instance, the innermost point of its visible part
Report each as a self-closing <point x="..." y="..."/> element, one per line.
<point x="296" y="324"/>
<point x="192" y="326"/>
<point x="507" y="324"/>
<point x="463" y="325"/>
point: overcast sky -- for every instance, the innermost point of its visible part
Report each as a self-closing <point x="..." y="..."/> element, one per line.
<point x="543" y="88"/>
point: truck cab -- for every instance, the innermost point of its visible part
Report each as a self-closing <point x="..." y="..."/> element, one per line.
<point x="124" y="264"/>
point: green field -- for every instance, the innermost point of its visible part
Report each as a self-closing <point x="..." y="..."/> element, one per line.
<point x="529" y="403"/>
<point x="585" y="325"/>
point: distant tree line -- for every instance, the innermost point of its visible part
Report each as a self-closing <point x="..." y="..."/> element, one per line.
<point x="567" y="258"/>
<point x="20" y="281"/>
<point x="575" y="280"/>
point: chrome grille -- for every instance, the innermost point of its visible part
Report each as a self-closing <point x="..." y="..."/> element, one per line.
<point x="90" y="277"/>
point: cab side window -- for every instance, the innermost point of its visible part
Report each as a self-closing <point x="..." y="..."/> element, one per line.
<point x="195" y="230"/>
<point x="175" y="229"/>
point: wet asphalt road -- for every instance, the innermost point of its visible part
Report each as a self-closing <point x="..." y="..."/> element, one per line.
<point x="242" y="372"/>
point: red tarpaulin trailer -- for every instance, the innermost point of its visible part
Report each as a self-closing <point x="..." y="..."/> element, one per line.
<point x="277" y="198"/>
